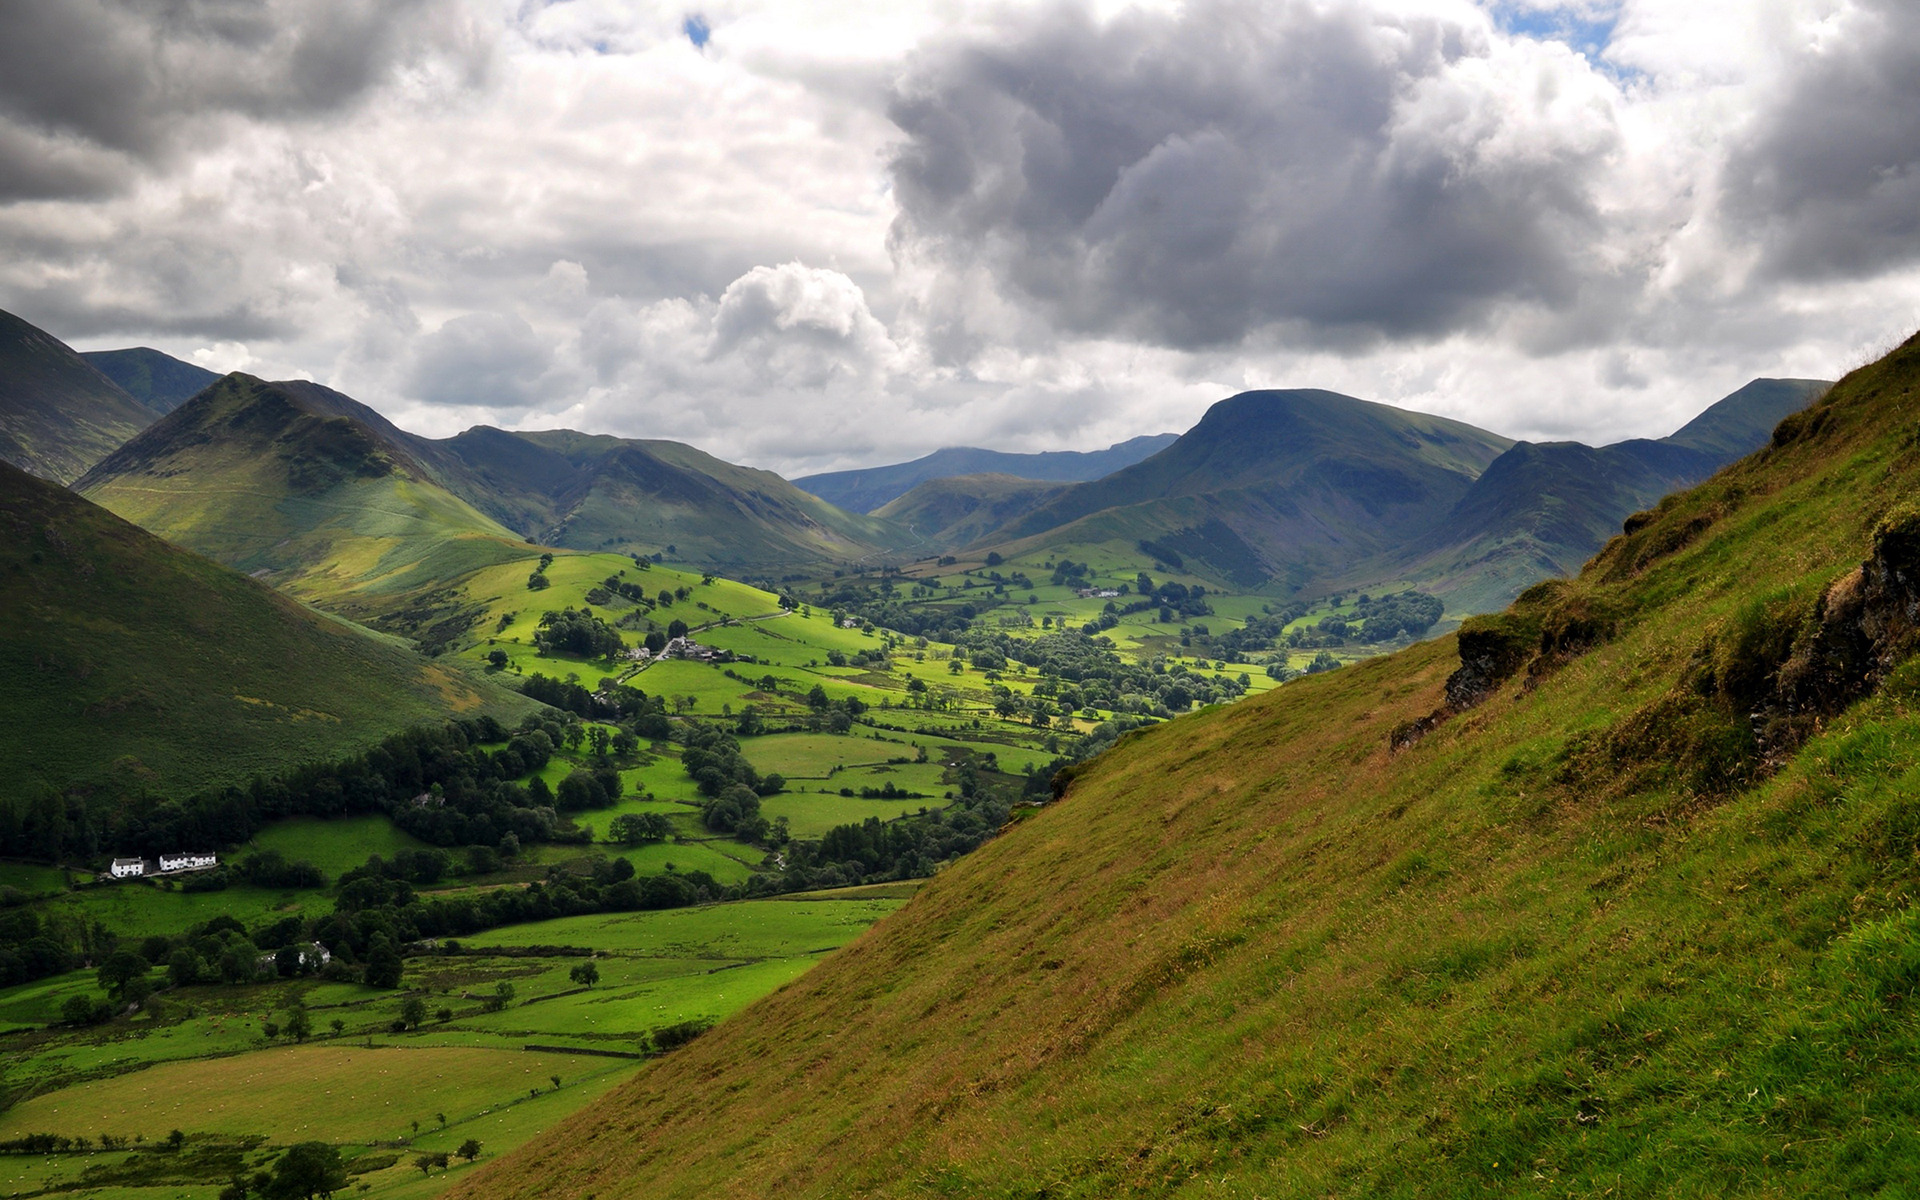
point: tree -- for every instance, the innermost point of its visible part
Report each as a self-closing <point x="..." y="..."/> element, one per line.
<point x="469" y="1149"/>
<point x="631" y="829"/>
<point x="502" y="996"/>
<point x="120" y="971"/>
<point x="425" y="1163"/>
<point x="497" y="659"/>
<point x="383" y="963"/>
<point x="337" y="1025"/>
<point x="299" y="1025"/>
<point x="586" y="974"/>
<point x="306" y="1170"/>
<point x="413" y="1011"/>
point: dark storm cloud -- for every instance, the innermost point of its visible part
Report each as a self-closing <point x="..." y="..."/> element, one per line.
<point x="101" y="86"/>
<point x="1186" y="180"/>
<point x="1829" y="177"/>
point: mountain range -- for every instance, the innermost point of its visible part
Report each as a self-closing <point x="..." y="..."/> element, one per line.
<point x="59" y="414"/>
<point x="871" y="488"/>
<point x="1286" y="492"/>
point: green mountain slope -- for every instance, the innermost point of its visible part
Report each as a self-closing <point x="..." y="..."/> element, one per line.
<point x="1542" y="509"/>
<point x="300" y="485"/>
<point x="1635" y="916"/>
<point x="58" y="414"/>
<point x="159" y="381"/>
<point x="128" y="662"/>
<point x="1740" y="423"/>
<point x="646" y="496"/>
<point x="1280" y="485"/>
<point x="871" y="488"/>
<point x="954" y="511"/>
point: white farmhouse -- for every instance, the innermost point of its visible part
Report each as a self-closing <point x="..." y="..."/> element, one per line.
<point x="124" y="868"/>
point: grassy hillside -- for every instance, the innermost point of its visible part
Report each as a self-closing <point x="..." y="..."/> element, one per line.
<point x="872" y="488"/>
<point x="58" y="414"/>
<point x="955" y="511"/>
<point x="298" y="485"/>
<point x="1639" y="923"/>
<point x="159" y="381"/>
<point x="129" y="662"/>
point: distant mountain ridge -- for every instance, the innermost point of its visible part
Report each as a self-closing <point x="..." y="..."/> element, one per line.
<point x="318" y="491"/>
<point x="868" y="489"/>
<point x="59" y="414"/>
<point x="159" y="381"/>
<point x="1543" y="509"/>
<point x="1286" y="486"/>
<point x="953" y="511"/>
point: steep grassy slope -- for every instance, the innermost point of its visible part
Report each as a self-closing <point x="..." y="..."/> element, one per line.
<point x="1543" y="509"/>
<point x="1287" y="485"/>
<point x="1604" y="933"/>
<point x="58" y="414"/>
<point x="129" y="662"/>
<point x="950" y="512"/>
<point x="871" y="488"/>
<point x="159" y="381"/>
<point x="298" y="484"/>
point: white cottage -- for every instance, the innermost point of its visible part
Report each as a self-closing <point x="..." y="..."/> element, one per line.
<point x="124" y="868"/>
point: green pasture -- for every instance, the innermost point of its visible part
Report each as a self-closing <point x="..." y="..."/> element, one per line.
<point x="811" y="814"/>
<point x="336" y="845"/>
<point x="340" y="1092"/>
<point x="32" y="878"/>
<point x="134" y="909"/>
<point x="741" y="929"/>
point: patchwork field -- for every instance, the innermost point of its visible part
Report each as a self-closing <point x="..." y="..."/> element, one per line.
<point x="200" y="1061"/>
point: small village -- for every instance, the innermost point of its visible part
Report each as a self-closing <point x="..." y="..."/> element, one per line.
<point x="166" y="864"/>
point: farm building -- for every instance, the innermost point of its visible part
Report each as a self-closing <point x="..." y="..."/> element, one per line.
<point x="125" y="868"/>
<point x="187" y="862"/>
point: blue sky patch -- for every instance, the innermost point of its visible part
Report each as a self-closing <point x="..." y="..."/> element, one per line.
<point x="697" y="30"/>
<point x="1586" y="28"/>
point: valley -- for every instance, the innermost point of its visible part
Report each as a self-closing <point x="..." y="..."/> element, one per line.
<point x="681" y="733"/>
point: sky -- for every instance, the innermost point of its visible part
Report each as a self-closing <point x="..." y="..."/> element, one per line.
<point x="816" y="236"/>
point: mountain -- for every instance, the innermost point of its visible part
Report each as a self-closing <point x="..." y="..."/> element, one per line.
<point x="158" y="381"/>
<point x="870" y="488"/>
<point x="953" y="511"/>
<point x="301" y="485"/>
<point x="652" y="496"/>
<point x="314" y="490"/>
<point x="58" y="414"/>
<point x="1542" y="509"/>
<point x="1611" y="893"/>
<point x="1739" y="424"/>
<point x="129" y="662"/>
<point x="1271" y="485"/>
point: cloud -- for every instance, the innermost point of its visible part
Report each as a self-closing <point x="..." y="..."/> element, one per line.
<point x="486" y="360"/>
<point x="111" y="84"/>
<point x="1828" y="175"/>
<point x="1323" y="172"/>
